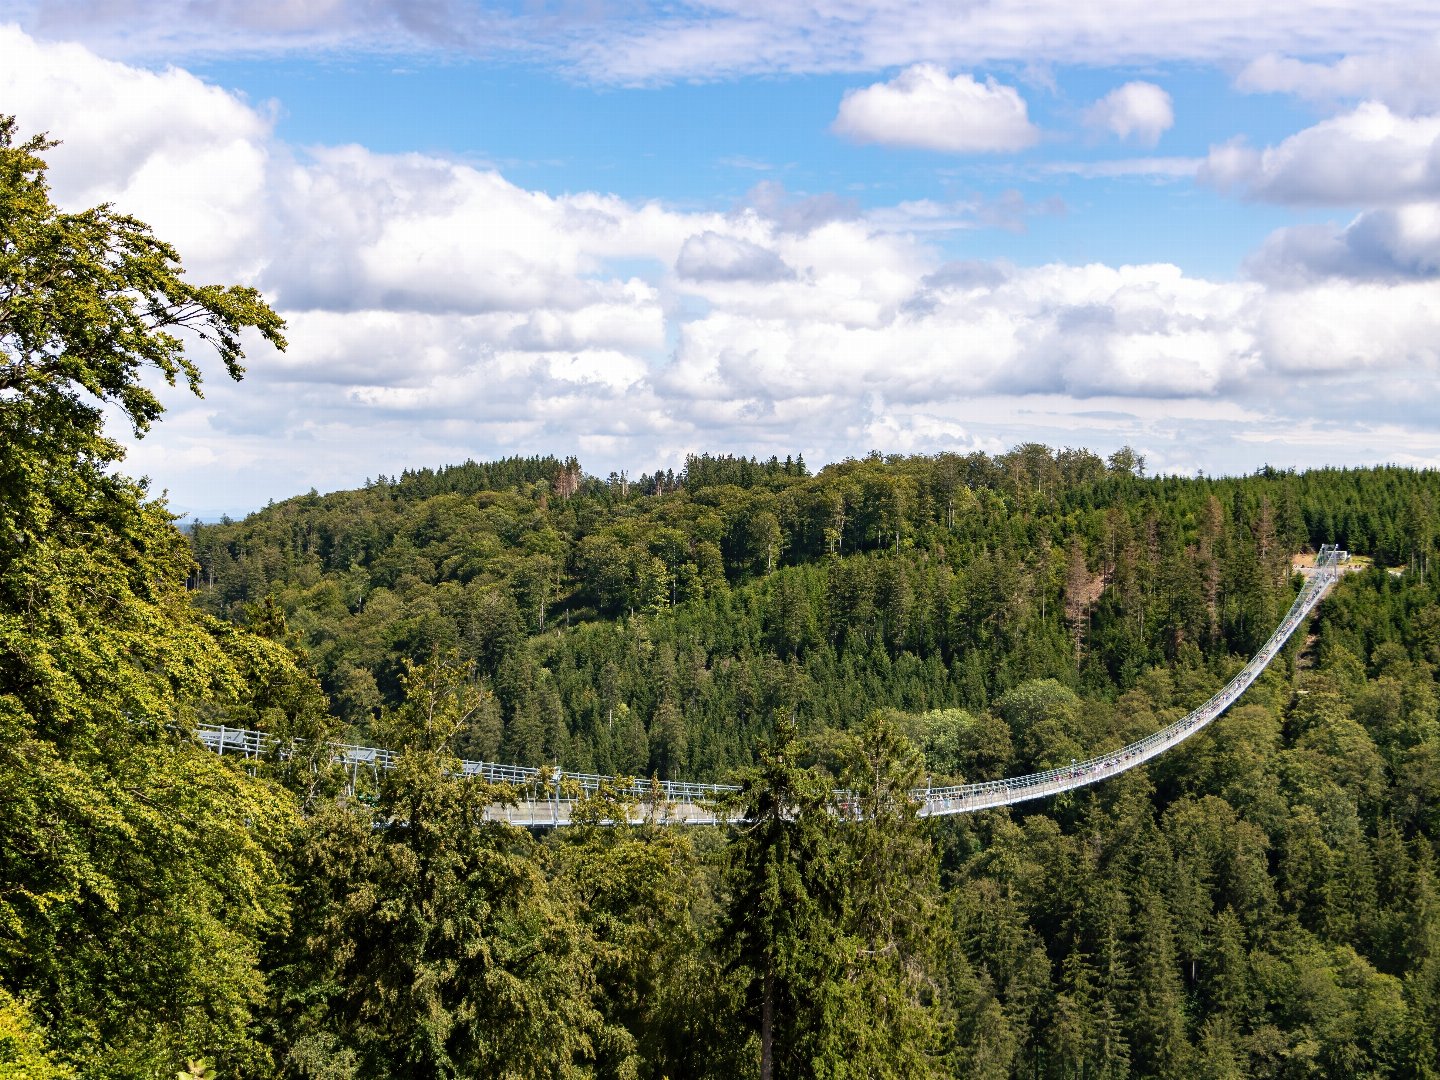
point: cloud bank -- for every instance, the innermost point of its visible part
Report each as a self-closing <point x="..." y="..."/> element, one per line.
<point x="439" y="310"/>
<point x="650" y="41"/>
<point x="1369" y="156"/>
<point x="1366" y="156"/>
<point x="1402" y="77"/>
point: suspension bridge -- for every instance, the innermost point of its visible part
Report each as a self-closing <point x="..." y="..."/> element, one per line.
<point x="545" y="797"/>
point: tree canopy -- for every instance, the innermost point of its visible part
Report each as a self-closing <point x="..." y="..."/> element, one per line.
<point x="138" y="875"/>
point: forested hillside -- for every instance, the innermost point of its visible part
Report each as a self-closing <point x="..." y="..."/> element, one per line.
<point x="657" y="626"/>
<point x="1260" y="902"/>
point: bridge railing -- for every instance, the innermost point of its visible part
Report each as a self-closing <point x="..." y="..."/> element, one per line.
<point x="547" y="795"/>
<point x="962" y="798"/>
<point x="257" y="745"/>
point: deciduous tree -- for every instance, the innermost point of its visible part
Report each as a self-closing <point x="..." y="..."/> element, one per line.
<point x="137" y="871"/>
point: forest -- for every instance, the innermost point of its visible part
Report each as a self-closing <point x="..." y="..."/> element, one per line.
<point x="1260" y="902"/>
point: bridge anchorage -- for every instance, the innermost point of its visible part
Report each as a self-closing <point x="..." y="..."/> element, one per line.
<point x="548" y="797"/>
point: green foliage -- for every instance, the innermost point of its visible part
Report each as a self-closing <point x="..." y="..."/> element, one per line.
<point x="23" y="1053"/>
<point x="894" y="1010"/>
<point x="783" y="877"/>
<point x="918" y="583"/>
<point x="137" y="871"/>
<point x="644" y="903"/>
<point x="93" y="299"/>
<point x="1046" y="721"/>
<point x="1012" y="613"/>
<point x="833" y="917"/>
<point x="427" y="939"/>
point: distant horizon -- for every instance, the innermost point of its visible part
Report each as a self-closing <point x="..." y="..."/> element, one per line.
<point x="212" y="515"/>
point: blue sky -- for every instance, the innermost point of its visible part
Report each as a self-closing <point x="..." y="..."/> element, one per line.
<point x="706" y="145"/>
<point x="631" y="232"/>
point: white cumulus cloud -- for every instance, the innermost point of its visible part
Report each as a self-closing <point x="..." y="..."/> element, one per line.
<point x="1367" y="156"/>
<point x="187" y="157"/>
<point x="1402" y="77"/>
<point x="927" y="108"/>
<point x="1138" y="110"/>
<point x="1388" y="244"/>
<point x="712" y="256"/>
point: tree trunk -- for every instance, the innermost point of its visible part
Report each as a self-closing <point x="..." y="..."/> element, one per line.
<point x="767" y="1028"/>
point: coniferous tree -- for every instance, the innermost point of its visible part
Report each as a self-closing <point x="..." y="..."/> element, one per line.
<point x="783" y="882"/>
<point x="427" y="940"/>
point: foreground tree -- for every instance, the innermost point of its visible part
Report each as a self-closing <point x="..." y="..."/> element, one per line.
<point x="426" y="939"/>
<point x="642" y="899"/>
<point x="784" y="881"/>
<point x="834" y="918"/>
<point x="891" y="916"/>
<point x="137" y="872"/>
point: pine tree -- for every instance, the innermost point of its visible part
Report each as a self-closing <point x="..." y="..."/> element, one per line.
<point x="778" y="929"/>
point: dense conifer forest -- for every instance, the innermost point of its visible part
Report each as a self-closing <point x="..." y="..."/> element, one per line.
<point x="657" y="626"/>
<point x="1260" y="902"/>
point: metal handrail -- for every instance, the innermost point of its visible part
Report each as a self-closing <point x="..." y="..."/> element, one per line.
<point x="967" y="798"/>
